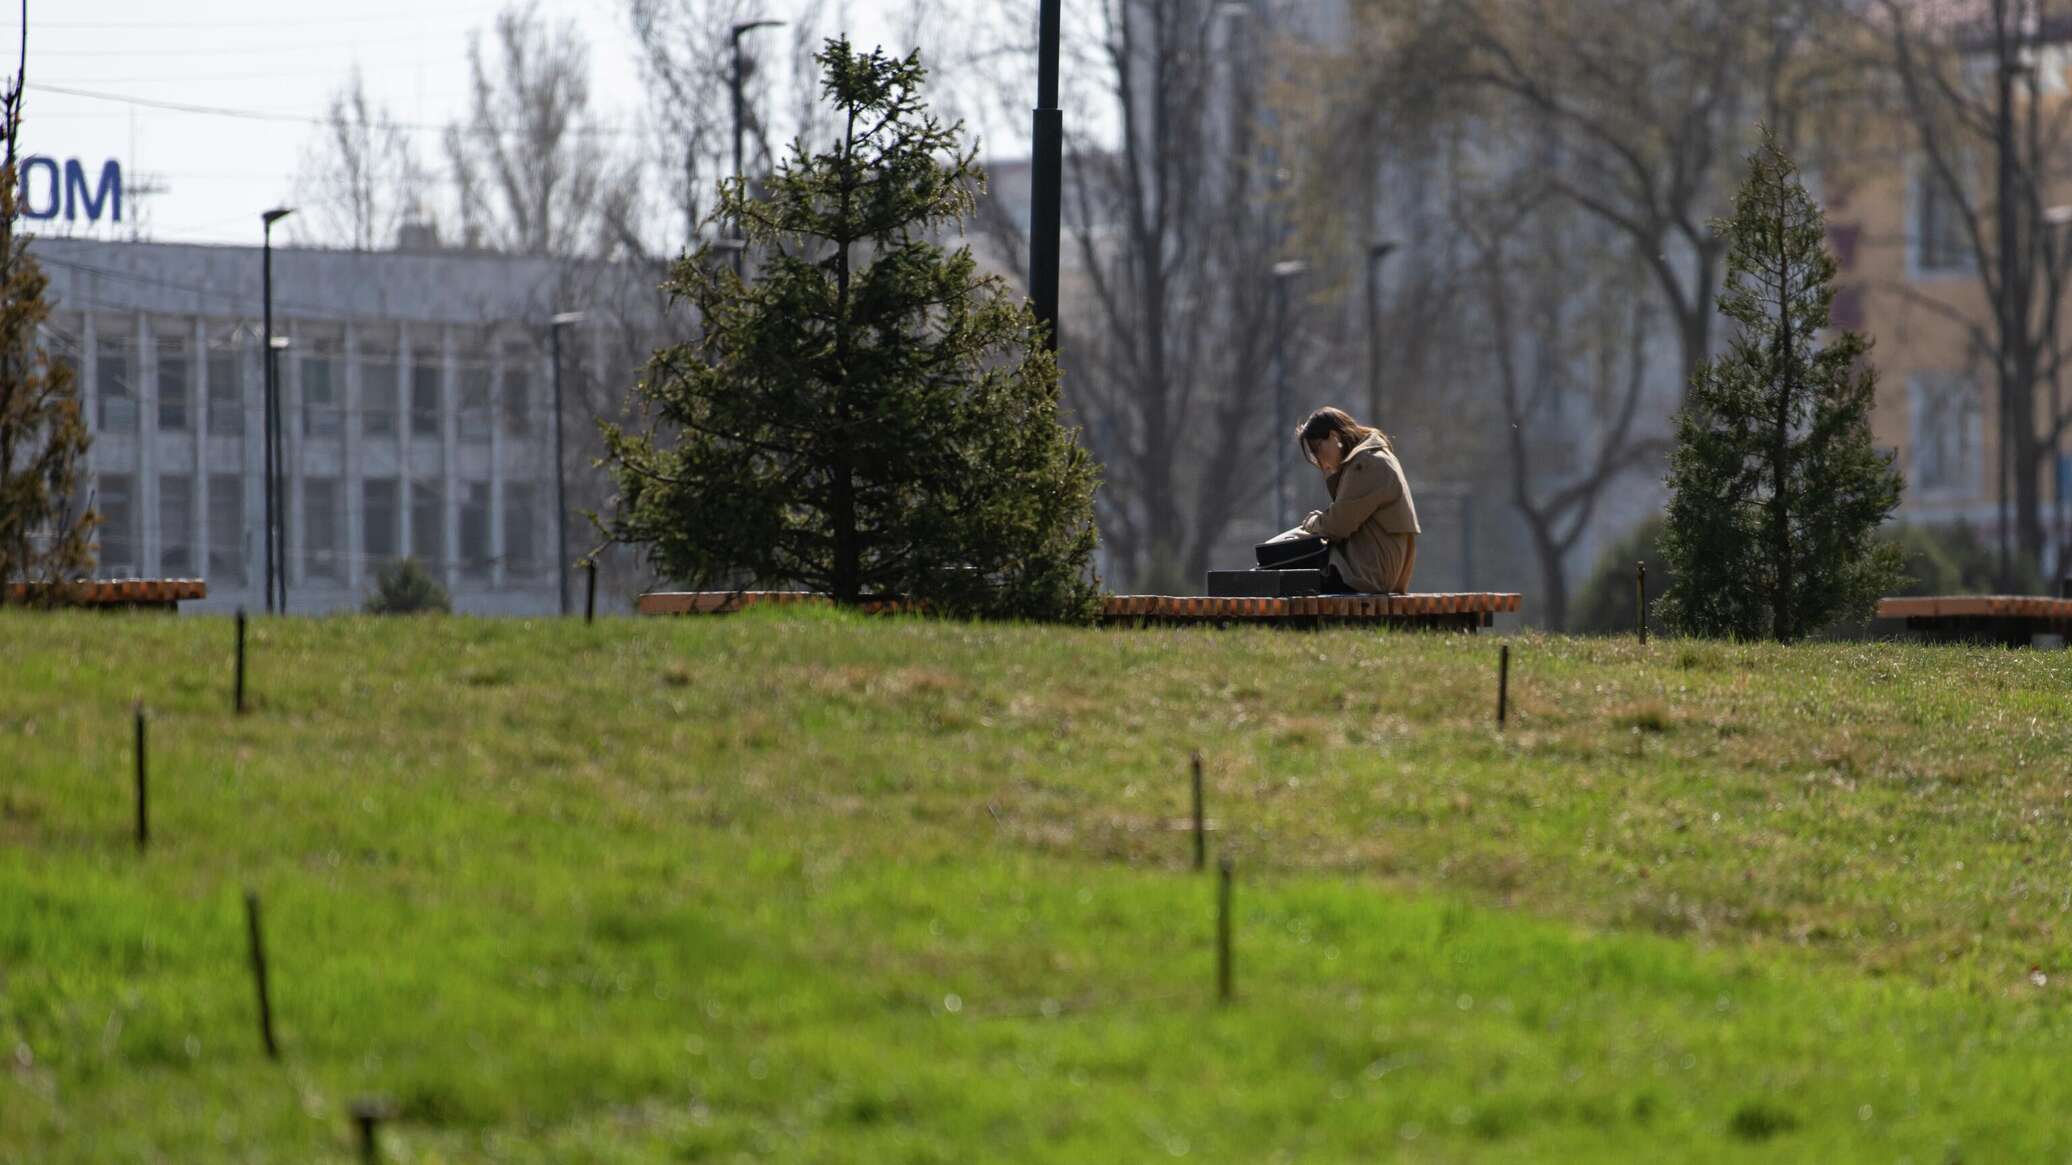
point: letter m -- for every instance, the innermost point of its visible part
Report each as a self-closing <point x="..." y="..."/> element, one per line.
<point x="76" y="191"/>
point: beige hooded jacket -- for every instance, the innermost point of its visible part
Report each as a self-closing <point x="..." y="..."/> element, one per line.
<point x="1369" y="518"/>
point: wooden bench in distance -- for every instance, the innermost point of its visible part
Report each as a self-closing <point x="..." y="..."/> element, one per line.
<point x="1467" y="611"/>
<point x="2014" y="620"/>
<point x="164" y="594"/>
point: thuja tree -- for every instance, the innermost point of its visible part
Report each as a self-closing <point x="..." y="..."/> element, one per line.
<point x="1776" y="489"/>
<point x="870" y="416"/>
<point x="43" y="538"/>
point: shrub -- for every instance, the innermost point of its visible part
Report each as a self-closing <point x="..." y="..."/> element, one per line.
<point x="405" y="587"/>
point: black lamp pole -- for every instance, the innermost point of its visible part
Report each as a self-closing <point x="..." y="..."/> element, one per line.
<point x="1046" y="176"/>
<point x="1283" y="272"/>
<point x="554" y="327"/>
<point x="734" y="38"/>
<point x="276" y="546"/>
<point x="1376" y="253"/>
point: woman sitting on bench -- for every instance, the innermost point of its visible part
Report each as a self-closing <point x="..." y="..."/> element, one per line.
<point x="1370" y="530"/>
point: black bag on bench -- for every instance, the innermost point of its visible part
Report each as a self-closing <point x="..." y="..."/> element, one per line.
<point x="1311" y="553"/>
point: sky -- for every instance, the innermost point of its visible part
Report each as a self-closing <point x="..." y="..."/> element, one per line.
<point x="278" y="62"/>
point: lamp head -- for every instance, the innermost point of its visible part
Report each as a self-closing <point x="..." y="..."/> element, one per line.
<point x="752" y="25"/>
<point x="276" y="214"/>
<point x="1289" y="268"/>
<point x="568" y="317"/>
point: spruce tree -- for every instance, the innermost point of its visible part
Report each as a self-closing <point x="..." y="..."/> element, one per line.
<point x="871" y="416"/>
<point x="1776" y="489"/>
<point x="44" y="542"/>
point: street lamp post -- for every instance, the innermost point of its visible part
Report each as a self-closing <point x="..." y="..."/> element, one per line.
<point x="2055" y="220"/>
<point x="1284" y="272"/>
<point x="554" y="327"/>
<point x="276" y="546"/>
<point x="1046" y="175"/>
<point x="734" y="40"/>
<point x="1376" y="253"/>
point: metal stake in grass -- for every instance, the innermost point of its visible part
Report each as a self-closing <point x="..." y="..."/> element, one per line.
<point x="590" y="596"/>
<point x="1224" y="869"/>
<point x="1503" y="683"/>
<point x="240" y="701"/>
<point x="1640" y="604"/>
<point x="143" y="803"/>
<point x="368" y="1112"/>
<point x="1201" y="841"/>
<point x="273" y="1051"/>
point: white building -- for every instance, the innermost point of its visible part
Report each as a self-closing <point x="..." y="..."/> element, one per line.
<point x="418" y="416"/>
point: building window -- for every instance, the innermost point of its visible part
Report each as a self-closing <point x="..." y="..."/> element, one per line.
<point x="517" y="394"/>
<point x="382" y="517"/>
<point x="226" y="396"/>
<point x="115" y="501"/>
<point x="1940" y="242"/>
<point x="424" y="394"/>
<point x="521" y="545"/>
<point x="475" y="415"/>
<point x="1946" y="439"/>
<point x="323" y="376"/>
<point x="175" y="383"/>
<point x="427" y="524"/>
<point x="378" y="393"/>
<point x="321" y="518"/>
<point x="227" y="528"/>
<point x="114" y="385"/>
<point x="176" y="558"/>
<point x="474" y="528"/>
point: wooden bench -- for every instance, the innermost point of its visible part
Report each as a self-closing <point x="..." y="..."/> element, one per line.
<point x="2013" y="620"/>
<point x="1468" y="611"/>
<point x="159" y="594"/>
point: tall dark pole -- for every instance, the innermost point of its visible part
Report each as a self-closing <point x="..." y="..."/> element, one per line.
<point x="1283" y="272"/>
<point x="1376" y="252"/>
<point x="554" y="327"/>
<point x="2010" y="258"/>
<point x="740" y="126"/>
<point x="266" y="399"/>
<point x="280" y="476"/>
<point x="276" y="546"/>
<point x="1046" y="175"/>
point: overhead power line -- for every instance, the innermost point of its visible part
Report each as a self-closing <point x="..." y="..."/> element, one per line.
<point x="296" y="118"/>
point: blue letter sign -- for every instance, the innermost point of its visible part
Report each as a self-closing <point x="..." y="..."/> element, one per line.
<point x="74" y="193"/>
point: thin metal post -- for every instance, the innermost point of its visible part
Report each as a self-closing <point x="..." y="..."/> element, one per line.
<point x="143" y="802"/>
<point x="590" y="595"/>
<point x="1503" y="684"/>
<point x="1640" y="604"/>
<point x="1280" y="404"/>
<point x="239" y="702"/>
<point x="560" y="476"/>
<point x="1201" y="841"/>
<point x="1225" y="973"/>
<point x="258" y="948"/>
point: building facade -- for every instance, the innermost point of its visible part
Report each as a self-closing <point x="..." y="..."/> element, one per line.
<point x="417" y="393"/>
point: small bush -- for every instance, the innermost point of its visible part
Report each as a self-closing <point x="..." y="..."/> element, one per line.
<point x="405" y="587"/>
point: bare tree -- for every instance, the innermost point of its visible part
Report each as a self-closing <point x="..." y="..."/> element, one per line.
<point x="1973" y="81"/>
<point x="1657" y="101"/>
<point x="362" y="176"/>
<point x="530" y="171"/>
<point x="1567" y="345"/>
<point x="687" y="61"/>
<point x="1171" y="236"/>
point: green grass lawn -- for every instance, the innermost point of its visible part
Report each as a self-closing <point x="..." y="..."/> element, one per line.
<point x="808" y="887"/>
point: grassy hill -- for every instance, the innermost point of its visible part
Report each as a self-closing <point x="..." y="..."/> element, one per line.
<point x="807" y="887"/>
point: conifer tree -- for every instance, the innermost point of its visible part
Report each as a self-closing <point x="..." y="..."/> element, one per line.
<point x="43" y="541"/>
<point x="1776" y="489"/>
<point x="869" y="416"/>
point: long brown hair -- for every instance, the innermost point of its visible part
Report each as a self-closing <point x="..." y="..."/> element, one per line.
<point x="1335" y="422"/>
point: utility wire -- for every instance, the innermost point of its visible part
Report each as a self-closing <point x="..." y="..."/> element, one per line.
<point x="595" y="130"/>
